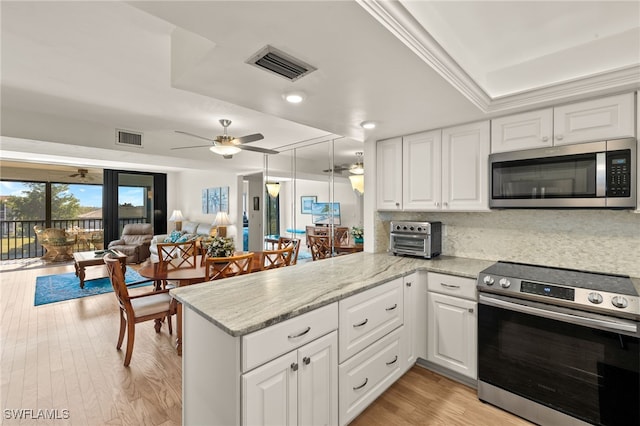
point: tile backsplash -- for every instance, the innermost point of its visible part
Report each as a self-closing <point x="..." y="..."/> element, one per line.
<point x="596" y="240"/>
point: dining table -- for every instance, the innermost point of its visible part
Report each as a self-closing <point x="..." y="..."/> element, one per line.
<point x="184" y="276"/>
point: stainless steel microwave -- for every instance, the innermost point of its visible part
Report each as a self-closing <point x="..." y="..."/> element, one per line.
<point x="588" y="175"/>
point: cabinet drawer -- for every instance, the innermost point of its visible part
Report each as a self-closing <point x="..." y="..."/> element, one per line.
<point x="449" y="284"/>
<point x="365" y="376"/>
<point x="367" y="316"/>
<point x="271" y="342"/>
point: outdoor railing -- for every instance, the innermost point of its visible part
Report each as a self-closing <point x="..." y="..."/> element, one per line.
<point x="18" y="238"/>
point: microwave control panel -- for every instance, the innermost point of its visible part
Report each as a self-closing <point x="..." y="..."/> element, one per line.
<point x="619" y="173"/>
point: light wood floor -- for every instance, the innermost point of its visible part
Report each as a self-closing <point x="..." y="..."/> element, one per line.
<point x="62" y="356"/>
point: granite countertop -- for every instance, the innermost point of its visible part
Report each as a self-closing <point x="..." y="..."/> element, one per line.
<point x="243" y="304"/>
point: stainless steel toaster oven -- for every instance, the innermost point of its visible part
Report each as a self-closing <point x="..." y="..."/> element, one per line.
<point x="423" y="239"/>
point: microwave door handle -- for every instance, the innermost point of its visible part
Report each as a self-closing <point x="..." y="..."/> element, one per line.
<point x="601" y="174"/>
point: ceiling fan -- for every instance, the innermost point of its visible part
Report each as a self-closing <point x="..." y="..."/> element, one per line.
<point x="82" y="174"/>
<point x="356" y="168"/>
<point x="226" y="145"/>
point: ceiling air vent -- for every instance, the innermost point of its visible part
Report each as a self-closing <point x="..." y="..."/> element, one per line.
<point x="124" y="137"/>
<point x="273" y="60"/>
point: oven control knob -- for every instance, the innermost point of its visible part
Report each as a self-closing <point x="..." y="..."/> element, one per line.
<point x="619" y="302"/>
<point x="595" y="298"/>
<point x="411" y="228"/>
<point x="488" y="280"/>
<point x="505" y="283"/>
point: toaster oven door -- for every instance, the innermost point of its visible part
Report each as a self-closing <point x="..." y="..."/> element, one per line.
<point x="409" y="244"/>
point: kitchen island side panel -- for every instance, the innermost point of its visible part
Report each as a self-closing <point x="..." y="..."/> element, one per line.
<point x="210" y="373"/>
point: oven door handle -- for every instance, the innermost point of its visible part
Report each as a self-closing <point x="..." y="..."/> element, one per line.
<point x="615" y="325"/>
<point x="412" y="236"/>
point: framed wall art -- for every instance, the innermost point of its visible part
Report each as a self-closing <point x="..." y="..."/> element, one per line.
<point x="306" y="202"/>
<point x="215" y="200"/>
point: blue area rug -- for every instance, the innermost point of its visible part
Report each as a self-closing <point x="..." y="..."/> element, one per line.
<point x="59" y="287"/>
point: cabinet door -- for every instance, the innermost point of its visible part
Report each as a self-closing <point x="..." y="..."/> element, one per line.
<point x="452" y="334"/>
<point x="415" y="319"/>
<point x="318" y="381"/>
<point x="465" y="172"/>
<point x="270" y="393"/>
<point x="422" y="171"/>
<point x="389" y="174"/>
<point x="599" y="119"/>
<point x="522" y="131"/>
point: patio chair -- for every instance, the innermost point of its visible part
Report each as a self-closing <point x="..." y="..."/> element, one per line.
<point x="154" y="305"/>
<point x="57" y="242"/>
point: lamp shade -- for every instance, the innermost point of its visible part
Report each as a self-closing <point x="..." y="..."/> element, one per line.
<point x="357" y="183"/>
<point x="273" y="188"/>
<point x="176" y="216"/>
<point x="222" y="219"/>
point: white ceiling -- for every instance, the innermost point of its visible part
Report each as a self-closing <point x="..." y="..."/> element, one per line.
<point x="73" y="72"/>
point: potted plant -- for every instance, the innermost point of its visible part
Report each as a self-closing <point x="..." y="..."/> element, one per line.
<point x="358" y="234"/>
<point x="220" y="247"/>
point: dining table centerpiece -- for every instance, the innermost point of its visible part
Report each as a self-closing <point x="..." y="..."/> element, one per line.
<point x="358" y="234"/>
<point x="220" y="247"/>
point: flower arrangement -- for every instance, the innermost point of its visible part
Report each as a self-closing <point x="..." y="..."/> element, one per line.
<point x="357" y="233"/>
<point x="220" y="247"/>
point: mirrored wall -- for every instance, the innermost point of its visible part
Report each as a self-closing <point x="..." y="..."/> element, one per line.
<point x="315" y="183"/>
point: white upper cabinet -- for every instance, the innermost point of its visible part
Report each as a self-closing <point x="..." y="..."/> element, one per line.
<point x="389" y="174"/>
<point x="605" y="118"/>
<point x="422" y="171"/>
<point x="438" y="170"/>
<point x="465" y="167"/>
<point x="522" y="131"/>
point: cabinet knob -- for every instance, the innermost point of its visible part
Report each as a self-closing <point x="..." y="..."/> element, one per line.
<point x="306" y="360"/>
<point x="397" y="204"/>
<point x="545" y="138"/>
<point x="559" y="137"/>
<point x="409" y="284"/>
<point x="437" y="204"/>
<point x="445" y="204"/>
<point x="294" y="366"/>
<point x="470" y="310"/>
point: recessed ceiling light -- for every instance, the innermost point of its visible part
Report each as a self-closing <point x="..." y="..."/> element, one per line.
<point x="294" y="97"/>
<point x="368" y="124"/>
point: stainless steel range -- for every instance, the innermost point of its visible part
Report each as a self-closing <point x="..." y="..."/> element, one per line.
<point x="559" y="346"/>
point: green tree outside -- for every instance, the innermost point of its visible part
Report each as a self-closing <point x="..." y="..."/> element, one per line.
<point x="31" y="205"/>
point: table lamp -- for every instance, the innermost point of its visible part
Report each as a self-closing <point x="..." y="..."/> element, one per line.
<point x="221" y="221"/>
<point x="177" y="217"/>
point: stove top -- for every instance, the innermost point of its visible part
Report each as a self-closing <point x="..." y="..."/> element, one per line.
<point x="586" y="290"/>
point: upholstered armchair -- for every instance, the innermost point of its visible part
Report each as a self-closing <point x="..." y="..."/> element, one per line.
<point x="134" y="242"/>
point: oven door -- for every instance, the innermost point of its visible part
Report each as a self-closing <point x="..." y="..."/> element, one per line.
<point x="580" y="364"/>
<point x="409" y="244"/>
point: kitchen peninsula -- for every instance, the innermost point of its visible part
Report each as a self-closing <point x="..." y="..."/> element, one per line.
<point x="237" y="327"/>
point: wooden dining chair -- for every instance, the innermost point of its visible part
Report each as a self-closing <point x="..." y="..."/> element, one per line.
<point x="284" y="242"/>
<point x="178" y="255"/>
<point x="278" y="258"/>
<point x="222" y="267"/>
<point x="341" y="236"/>
<point x="320" y="246"/>
<point x="154" y="305"/>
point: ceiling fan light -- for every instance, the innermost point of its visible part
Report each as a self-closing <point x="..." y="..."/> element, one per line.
<point x="294" y="97"/>
<point x="357" y="169"/>
<point x="357" y="183"/>
<point x="225" y="149"/>
<point x="368" y="125"/>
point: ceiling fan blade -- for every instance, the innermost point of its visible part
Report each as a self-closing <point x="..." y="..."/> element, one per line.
<point x="248" y="138"/>
<point x="194" y="146"/>
<point x="256" y="149"/>
<point x="195" y="136"/>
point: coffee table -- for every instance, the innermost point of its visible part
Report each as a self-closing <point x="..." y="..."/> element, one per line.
<point x="83" y="259"/>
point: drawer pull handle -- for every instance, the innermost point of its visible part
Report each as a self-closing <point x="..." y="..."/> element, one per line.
<point x="391" y="308"/>
<point x="449" y="285"/>
<point x="394" y="361"/>
<point x="366" y="380"/>
<point x="366" y="320"/>
<point x="293" y="336"/>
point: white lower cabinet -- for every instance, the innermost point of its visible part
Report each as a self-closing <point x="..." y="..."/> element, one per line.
<point x="452" y="323"/>
<point x="300" y="387"/>
<point x="415" y="319"/>
<point x="369" y="373"/>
